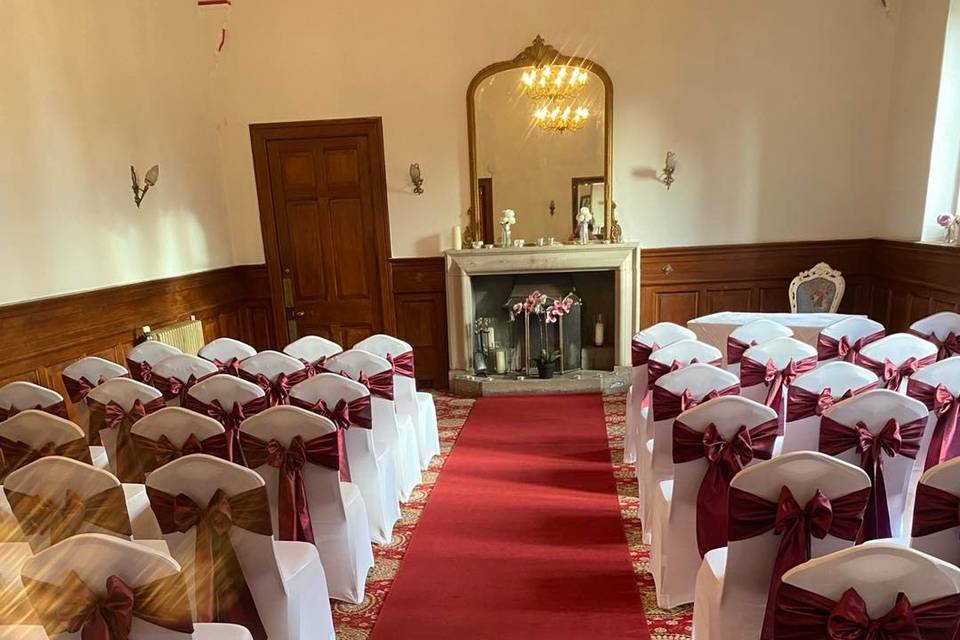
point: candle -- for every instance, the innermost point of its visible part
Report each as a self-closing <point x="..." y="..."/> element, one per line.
<point x="490" y="340"/>
<point x="457" y="238"/>
<point x="501" y="361"/>
<point x="598" y="331"/>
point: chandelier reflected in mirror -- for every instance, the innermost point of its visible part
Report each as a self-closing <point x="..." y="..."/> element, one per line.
<point x="561" y="118"/>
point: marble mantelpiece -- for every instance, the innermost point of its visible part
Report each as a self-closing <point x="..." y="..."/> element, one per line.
<point x="462" y="265"/>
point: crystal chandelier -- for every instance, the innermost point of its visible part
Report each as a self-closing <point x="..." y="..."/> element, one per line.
<point x="553" y="82"/>
<point x="561" y="118"/>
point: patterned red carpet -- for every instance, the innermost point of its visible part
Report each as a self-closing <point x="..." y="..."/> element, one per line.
<point x="356" y="622"/>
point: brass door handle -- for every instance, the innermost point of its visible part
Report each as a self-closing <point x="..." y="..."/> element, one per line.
<point x="299" y="314"/>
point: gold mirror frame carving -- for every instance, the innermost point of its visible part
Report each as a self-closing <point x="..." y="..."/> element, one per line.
<point x="537" y="54"/>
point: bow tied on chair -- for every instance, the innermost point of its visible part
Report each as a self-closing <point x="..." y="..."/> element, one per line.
<point x="379" y="384"/>
<point x="16" y="453"/>
<point x="402" y="364"/>
<point x="141" y="371"/>
<point x="229" y="419"/>
<point x="640" y="353"/>
<point x="891" y="374"/>
<point x="222" y="592"/>
<point x="658" y="369"/>
<point x="39" y="516"/>
<point x="945" y="440"/>
<point x="114" y="417"/>
<point x="356" y="413"/>
<point x="156" y="453"/>
<point x="724" y="459"/>
<point x="949" y="346"/>
<point x="277" y="389"/>
<point x="665" y="404"/>
<point x="79" y="389"/>
<point x="849" y="620"/>
<point x="58" y="409"/>
<point x="315" y="367"/>
<point x="230" y="367"/>
<point x="841" y="348"/>
<point x="72" y="607"/>
<point x="776" y="379"/>
<point x="293" y="510"/>
<point x="803" y="403"/>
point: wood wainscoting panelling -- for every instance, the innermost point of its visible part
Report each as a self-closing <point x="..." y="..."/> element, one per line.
<point x="911" y="280"/>
<point x="420" y="303"/>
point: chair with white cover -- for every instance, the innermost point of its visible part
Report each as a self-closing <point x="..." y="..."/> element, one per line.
<point x="86" y="571"/>
<point x="275" y="373"/>
<point x="881" y="432"/>
<point x="690" y="511"/>
<point x="419" y="406"/>
<point x="750" y="335"/>
<point x="938" y="387"/>
<point x="641" y="346"/>
<point x="936" y="513"/>
<point x="278" y="588"/>
<point x="879" y="590"/>
<point x="783" y="512"/>
<point x="82" y="376"/>
<point x="174" y="432"/>
<point x="943" y="330"/>
<point x="175" y="375"/>
<point x="813" y="393"/>
<point x="768" y="370"/>
<point x="376" y="374"/>
<point x="844" y="339"/>
<point x="295" y="452"/>
<point x="144" y="357"/>
<point x="226" y="353"/>
<point x="897" y="357"/>
<point x="228" y="400"/>
<point x="370" y="461"/>
<point x="19" y="395"/>
<point x="31" y="435"/>
<point x="671" y="395"/>
<point x="312" y="351"/>
<point x="115" y="406"/>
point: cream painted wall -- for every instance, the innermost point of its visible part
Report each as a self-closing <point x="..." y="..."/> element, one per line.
<point x="88" y="87"/>
<point x="778" y="110"/>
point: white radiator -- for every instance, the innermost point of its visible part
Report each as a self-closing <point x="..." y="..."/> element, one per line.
<point x="186" y="336"/>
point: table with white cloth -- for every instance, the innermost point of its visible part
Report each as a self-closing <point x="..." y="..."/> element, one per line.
<point x="714" y="328"/>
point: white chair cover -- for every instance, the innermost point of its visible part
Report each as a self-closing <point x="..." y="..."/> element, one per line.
<point x="83" y="375"/>
<point x="642" y="345"/>
<point x="175" y="375"/>
<point x="750" y="335"/>
<point x="226" y="353"/>
<point x="733" y="581"/>
<point x="675" y="556"/>
<point x="338" y="516"/>
<point x="938" y="387"/>
<point x="274" y="372"/>
<point x="830" y="382"/>
<point x="875" y="409"/>
<point x="685" y="388"/>
<point x="844" y="339"/>
<point x="937" y="530"/>
<point x="942" y="329"/>
<point x="33" y="434"/>
<point x="143" y="357"/>
<point x="896" y="357"/>
<point x="789" y="357"/>
<point x="409" y="403"/>
<point x="126" y="393"/>
<point x="286" y="579"/>
<point x="370" y="454"/>
<point x="312" y="350"/>
<point x="173" y="432"/>
<point x="95" y="558"/>
<point x="19" y="395"/>
<point x="399" y="430"/>
<point x="229" y="400"/>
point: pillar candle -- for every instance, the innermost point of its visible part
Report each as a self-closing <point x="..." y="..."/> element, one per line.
<point x="457" y="238"/>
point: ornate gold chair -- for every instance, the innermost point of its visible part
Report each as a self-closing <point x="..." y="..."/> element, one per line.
<point x="818" y="290"/>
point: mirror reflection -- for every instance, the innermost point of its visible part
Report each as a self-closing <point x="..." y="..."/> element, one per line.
<point x="540" y="150"/>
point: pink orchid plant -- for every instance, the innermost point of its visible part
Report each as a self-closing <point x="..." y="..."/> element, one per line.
<point x="550" y="310"/>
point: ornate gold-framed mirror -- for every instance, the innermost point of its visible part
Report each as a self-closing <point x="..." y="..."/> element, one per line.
<point x="540" y="128"/>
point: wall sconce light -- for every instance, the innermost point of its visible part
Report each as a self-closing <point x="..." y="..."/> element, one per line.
<point x="669" y="168"/>
<point x="416" y="178"/>
<point x="149" y="180"/>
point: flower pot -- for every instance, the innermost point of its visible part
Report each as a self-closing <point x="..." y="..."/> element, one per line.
<point x="546" y="369"/>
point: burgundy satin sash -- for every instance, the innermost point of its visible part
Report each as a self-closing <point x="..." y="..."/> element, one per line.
<point x="222" y="592"/>
<point x="58" y="409"/>
<point x="278" y="389"/>
<point x="174" y="387"/>
<point x="724" y="460"/>
<point x="403" y="364"/>
<point x="751" y="516"/>
<point x="229" y="419"/>
<point x="356" y="413"/>
<point x="640" y="353"/>
<point x="753" y="373"/>
<point x="735" y="349"/>
<point x="37" y="515"/>
<point x="945" y="441"/>
<point x="890" y="374"/>
<point x="893" y="440"/>
<point x="114" y="416"/>
<point x="230" y="367"/>
<point x="154" y="454"/>
<point x="803" y="403"/>
<point x="140" y="371"/>
<point x="379" y="384"/>
<point x="949" y="346"/>
<point x="16" y="454"/>
<point x="315" y="367"/>
<point x="840" y="348"/>
<point x="293" y="509"/>
<point x="805" y="615"/>
<point x="77" y="390"/>
<point x="666" y="405"/>
<point x="72" y="607"/>
<point x="934" y="510"/>
<point x="656" y="369"/>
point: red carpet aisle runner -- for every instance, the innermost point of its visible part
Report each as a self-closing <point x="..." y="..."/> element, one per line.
<point x="522" y="536"/>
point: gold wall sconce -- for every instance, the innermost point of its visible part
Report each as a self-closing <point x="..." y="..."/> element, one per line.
<point x="149" y="180"/>
<point x="669" y="168"/>
<point x="416" y="178"/>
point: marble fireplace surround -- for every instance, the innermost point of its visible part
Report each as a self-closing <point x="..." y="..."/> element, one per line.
<point x="461" y="265"/>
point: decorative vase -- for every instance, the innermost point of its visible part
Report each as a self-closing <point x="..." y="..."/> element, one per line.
<point x="584" y="232"/>
<point x="546" y="369"/>
<point x="952" y="235"/>
<point x="505" y="240"/>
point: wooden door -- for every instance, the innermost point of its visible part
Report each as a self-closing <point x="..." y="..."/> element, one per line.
<point x="325" y="227"/>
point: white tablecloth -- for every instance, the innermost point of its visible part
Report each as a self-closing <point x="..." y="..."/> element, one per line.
<point x="714" y="328"/>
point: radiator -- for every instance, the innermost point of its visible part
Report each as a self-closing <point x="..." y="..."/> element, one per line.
<point x="186" y="336"/>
